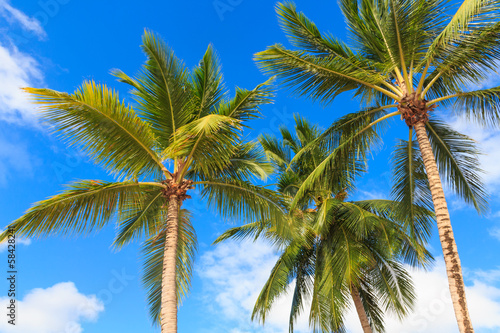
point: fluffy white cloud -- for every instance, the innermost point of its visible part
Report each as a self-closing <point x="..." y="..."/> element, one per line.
<point x="14" y="15"/>
<point x="17" y="70"/>
<point x="57" y="309"/>
<point x="234" y="273"/>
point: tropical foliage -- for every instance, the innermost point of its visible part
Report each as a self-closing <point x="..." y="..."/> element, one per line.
<point x="183" y="132"/>
<point x="333" y="250"/>
<point x="407" y="55"/>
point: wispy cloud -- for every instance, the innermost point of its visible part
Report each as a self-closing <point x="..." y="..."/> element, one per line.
<point x="5" y="245"/>
<point x="15" y="16"/>
<point x="234" y="274"/>
<point x="17" y="70"/>
<point x="60" y="308"/>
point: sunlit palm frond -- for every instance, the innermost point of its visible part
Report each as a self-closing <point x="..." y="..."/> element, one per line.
<point x="208" y="84"/>
<point x="246" y="104"/>
<point x="95" y="120"/>
<point x="162" y="89"/>
<point x="85" y="206"/>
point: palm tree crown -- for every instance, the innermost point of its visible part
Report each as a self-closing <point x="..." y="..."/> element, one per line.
<point x="331" y="249"/>
<point x="408" y="55"/>
<point x="184" y="132"/>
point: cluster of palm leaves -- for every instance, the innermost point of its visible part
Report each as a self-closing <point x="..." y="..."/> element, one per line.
<point x="184" y="131"/>
<point x="334" y="250"/>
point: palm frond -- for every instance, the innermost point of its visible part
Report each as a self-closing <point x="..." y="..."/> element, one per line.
<point x="85" y="206"/>
<point x="242" y="200"/>
<point x="140" y="217"/>
<point x="457" y="159"/>
<point x="411" y="188"/>
<point x="246" y="104"/>
<point x="319" y="78"/>
<point x="162" y="90"/>
<point x="95" y="120"/>
<point x="208" y="86"/>
<point x="480" y="106"/>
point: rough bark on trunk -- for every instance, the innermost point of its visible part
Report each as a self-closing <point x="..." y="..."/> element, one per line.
<point x="168" y="315"/>
<point x="450" y="252"/>
<point x="363" y="318"/>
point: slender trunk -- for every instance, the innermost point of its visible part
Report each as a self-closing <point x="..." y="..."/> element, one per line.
<point x="363" y="318"/>
<point x="168" y="288"/>
<point x="453" y="267"/>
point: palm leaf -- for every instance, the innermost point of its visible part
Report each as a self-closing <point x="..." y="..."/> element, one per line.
<point x="95" y="120"/>
<point x="83" y="207"/>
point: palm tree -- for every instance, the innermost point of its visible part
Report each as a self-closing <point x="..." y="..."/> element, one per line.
<point x="185" y="133"/>
<point x="408" y="55"/>
<point x="337" y="250"/>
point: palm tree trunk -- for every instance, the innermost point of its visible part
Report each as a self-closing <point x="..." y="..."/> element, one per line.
<point x="168" y="315"/>
<point x="453" y="267"/>
<point x="361" y="310"/>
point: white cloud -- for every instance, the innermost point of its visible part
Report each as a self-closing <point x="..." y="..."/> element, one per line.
<point x="12" y="15"/>
<point x="17" y="70"/>
<point x="19" y="241"/>
<point x="234" y="274"/>
<point x="57" y="309"/>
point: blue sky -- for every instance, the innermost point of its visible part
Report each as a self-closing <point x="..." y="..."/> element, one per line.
<point x="74" y="285"/>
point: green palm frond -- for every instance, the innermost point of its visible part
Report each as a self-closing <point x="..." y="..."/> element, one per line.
<point x="457" y="159"/>
<point x="346" y="160"/>
<point x="411" y="187"/>
<point x="208" y="85"/>
<point x="247" y="161"/>
<point x="480" y="106"/>
<point x="470" y="60"/>
<point x="304" y="34"/>
<point x="235" y="199"/>
<point x="85" y="206"/>
<point x="471" y="15"/>
<point x="95" y="120"/>
<point x="162" y="90"/>
<point x="320" y="78"/>
<point x="245" y="105"/>
<point x="208" y="142"/>
<point x="138" y="218"/>
<point x="396" y="292"/>
<point x="275" y="151"/>
<point x="277" y="284"/>
<point x="152" y="256"/>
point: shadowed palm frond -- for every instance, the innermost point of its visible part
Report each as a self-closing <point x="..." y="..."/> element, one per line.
<point x="457" y="159"/>
<point x="411" y="187"/>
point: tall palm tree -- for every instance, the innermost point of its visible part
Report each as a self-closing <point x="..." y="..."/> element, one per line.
<point x="184" y="132"/>
<point x="408" y="55"/>
<point x="337" y="250"/>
